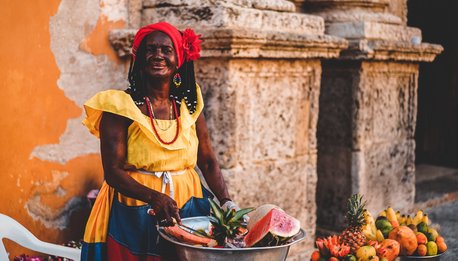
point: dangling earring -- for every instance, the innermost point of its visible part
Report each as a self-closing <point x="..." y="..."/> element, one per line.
<point x="177" y="80"/>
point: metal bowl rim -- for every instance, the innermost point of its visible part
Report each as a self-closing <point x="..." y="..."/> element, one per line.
<point x="422" y="257"/>
<point x="301" y="234"/>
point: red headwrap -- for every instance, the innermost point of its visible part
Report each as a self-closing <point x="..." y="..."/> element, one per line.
<point x="187" y="47"/>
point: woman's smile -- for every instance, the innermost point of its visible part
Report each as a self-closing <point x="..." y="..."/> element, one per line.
<point x="158" y="65"/>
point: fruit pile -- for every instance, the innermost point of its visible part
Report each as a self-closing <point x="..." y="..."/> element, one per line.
<point x="268" y="225"/>
<point x="383" y="239"/>
<point x="415" y="234"/>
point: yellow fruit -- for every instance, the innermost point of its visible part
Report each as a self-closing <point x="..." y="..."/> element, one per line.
<point x="409" y="220"/>
<point x="403" y="220"/>
<point x="380" y="236"/>
<point x="418" y="217"/>
<point x="369" y="228"/>
<point x="431" y="248"/>
<point x="382" y="213"/>
<point x="391" y="216"/>
<point x="364" y="253"/>
<point x="398" y="216"/>
<point x="421" y="250"/>
<point x="426" y="219"/>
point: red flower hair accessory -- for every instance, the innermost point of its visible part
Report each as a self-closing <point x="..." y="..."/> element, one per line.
<point x="191" y="45"/>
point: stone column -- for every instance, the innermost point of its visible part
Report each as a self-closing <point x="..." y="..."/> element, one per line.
<point x="260" y="74"/>
<point x="368" y="107"/>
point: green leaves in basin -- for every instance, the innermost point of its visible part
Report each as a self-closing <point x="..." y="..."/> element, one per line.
<point x="227" y="224"/>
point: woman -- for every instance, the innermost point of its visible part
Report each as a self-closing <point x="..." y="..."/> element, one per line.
<point x="152" y="135"/>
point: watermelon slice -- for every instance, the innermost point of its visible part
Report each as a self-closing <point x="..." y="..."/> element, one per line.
<point x="274" y="229"/>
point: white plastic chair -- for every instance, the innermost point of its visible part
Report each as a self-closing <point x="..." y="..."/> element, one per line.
<point x="11" y="229"/>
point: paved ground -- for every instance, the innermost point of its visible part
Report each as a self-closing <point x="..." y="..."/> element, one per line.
<point x="437" y="195"/>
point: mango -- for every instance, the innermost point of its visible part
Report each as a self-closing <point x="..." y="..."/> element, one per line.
<point x="365" y="253"/>
<point x="421" y="250"/>
<point x="441" y="247"/>
<point x="431" y="248"/>
<point x="432" y="234"/>
<point x="421" y="238"/>
<point x="350" y="257"/>
<point x="422" y="227"/>
<point x="384" y="225"/>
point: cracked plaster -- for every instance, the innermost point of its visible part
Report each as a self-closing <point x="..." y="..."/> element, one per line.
<point x="82" y="74"/>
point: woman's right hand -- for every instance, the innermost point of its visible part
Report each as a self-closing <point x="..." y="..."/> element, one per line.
<point x="165" y="210"/>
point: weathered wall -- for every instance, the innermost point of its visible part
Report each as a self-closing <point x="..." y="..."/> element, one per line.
<point x="366" y="136"/>
<point x="263" y="127"/>
<point x="54" y="55"/>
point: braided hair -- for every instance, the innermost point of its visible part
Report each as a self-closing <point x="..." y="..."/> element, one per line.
<point x="185" y="93"/>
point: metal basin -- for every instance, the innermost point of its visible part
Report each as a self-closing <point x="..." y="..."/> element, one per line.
<point x="189" y="252"/>
<point x="419" y="258"/>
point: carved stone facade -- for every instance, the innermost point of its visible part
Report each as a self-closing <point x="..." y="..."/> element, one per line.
<point x="368" y="107"/>
<point x="264" y="84"/>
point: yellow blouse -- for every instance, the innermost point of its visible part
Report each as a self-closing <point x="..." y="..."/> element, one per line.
<point x="145" y="151"/>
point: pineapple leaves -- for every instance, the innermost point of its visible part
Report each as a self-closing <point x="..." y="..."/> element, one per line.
<point x="229" y="214"/>
<point x="216" y="210"/>
<point x="239" y="214"/>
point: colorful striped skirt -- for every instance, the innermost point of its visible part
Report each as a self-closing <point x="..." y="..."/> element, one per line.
<point x="120" y="231"/>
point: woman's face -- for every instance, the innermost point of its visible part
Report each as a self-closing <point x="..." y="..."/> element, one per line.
<point x="160" y="56"/>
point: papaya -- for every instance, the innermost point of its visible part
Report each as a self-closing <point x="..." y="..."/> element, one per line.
<point x="406" y="238"/>
<point x="185" y="236"/>
<point x="388" y="249"/>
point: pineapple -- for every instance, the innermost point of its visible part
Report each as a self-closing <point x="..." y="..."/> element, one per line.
<point x="228" y="227"/>
<point x="353" y="235"/>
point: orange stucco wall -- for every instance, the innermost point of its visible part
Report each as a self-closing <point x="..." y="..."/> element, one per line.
<point x="35" y="112"/>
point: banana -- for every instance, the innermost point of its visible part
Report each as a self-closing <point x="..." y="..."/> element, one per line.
<point x="398" y="216"/>
<point x="391" y="216"/>
<point x="369" y="228"/>
<point x="379" y="235"/>
<point x="409" y="220"/>
<point x="418" y="217"/>
<point x="426" y="219"/>
<point x="403" y="220"/>
<point x="382" y="213"/>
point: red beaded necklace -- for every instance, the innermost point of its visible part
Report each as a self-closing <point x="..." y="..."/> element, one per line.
<point x="149" y="106"/>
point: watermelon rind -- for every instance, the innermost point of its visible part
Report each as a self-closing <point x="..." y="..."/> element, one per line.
<point x="276" y="227"/>
<point x="259" y="213"/>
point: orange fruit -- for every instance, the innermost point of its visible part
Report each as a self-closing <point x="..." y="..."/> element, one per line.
<point x="421" y="250"/>
<point x="421" y="238"/>
<point x="441" y="246"/>
<point x="439" y="239"/>
<point x="333" y="259"/>
<point x="315" y="256"/>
